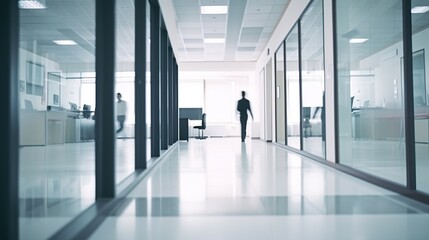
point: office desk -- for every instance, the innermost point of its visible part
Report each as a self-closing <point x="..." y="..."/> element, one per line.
<point x="421" y="124"/>
<point x="38" y="128"/>
<point x="387" y="124"/>
<point x="377" y="124"/>
<point x="184" y="129"/>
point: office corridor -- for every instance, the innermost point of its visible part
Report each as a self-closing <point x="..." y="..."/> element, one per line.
<point x="223" y="189"/>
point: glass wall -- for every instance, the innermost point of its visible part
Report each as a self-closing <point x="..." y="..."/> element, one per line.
<point x="312" y="80"/>
<point x="292" y="89"/>
<point x="124" y="85"/>
<point x="280" y="96"/>
<point x="420" y="31"/>
<point x="370" y="87"/>
<point x="57" y="150"/>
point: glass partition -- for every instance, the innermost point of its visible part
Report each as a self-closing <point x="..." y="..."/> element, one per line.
<point x="57" y="150"/>
<point x="370" y="87"/>
<point x="292" y="89"/>
<point x="280" y="96"/>
<point x="124" y="97"/>
<point x="312" y="77"/>
<point x="420" y="31"/>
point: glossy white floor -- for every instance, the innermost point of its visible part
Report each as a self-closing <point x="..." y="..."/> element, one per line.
<point x="57" y="182"/>
<point x="223" y="189"/>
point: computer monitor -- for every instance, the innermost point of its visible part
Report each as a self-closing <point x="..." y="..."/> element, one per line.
<point x="86" y="111"/>
<point x="191" y="113"/>
<point x="28" y="105"/>
<point x="73" y="106"/>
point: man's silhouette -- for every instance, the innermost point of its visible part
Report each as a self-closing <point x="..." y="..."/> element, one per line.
<point x="242" y="107"/>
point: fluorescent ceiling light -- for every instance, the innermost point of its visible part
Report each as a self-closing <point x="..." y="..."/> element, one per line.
<point x="214" y="9"/>
<point x="358" y="40"/>
<point x="420" y="9"/>
<point x="31" y="4"/>
<point x="214" y="40"/>
<point x="65" y="42"/>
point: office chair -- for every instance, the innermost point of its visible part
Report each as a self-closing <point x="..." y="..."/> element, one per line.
<point x="202" y="127"/>
<point x="306" y="115"/>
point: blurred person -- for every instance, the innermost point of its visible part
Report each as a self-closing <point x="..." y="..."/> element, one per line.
<point x="243" y="106"/>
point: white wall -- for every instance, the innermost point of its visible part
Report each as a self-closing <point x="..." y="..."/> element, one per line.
<point x="217" y="92"/>
<point x="388" y="70"/>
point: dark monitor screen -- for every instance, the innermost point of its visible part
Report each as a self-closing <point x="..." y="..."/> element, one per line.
<point x="306" y="112"/>
<point x="191" y="113"/>
<point x="86" y="111"/>
<point x="73" y="106"/>
<point x="86" y="107"/>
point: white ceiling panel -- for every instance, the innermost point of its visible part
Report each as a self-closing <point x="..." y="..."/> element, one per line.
<point x="192" y="40"/>
<point x="254" y="30"/>
<point x="246" y="49"/>
<point x="214" y="47"/>
<point x="241" y="44"/>
<point x="188" y="18"/>
<point x="214" y="24"/>
<point x="214" y="30"/>
<point x="189" y="24"/>
<point x="214" y="2"/>
<point x="254" y="24"/>
<point x="214" y="35"/>
<point x="185" y="3"/>
<point x="279" y="8"/>
<point x="247" y="26"/>
<point x="194" y="45"/>
<point x="194" y="10"/>
<point x="195" y="49"/>
<point x="191" y="30"/>
<point x="259" y="2"/>
<point x="250" y="9"/>
<point x="213" y="17"/>
<point x="256" y="17"/>
<point x="249" y="38"/>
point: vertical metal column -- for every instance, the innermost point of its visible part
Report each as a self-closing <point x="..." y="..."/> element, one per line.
<point x="285" y="90"/>
<point x="105" y="85"/>
<point x="300" y="86"/>
<point x="164" y="92"/>
<point x="170" y="96"/>
<point x="9" y="122"/>
<point x="408" y="95"/>
<point x="154" y="77"/>
<point x="140" y="85"/>
<point x="176" y="99"/>
<point x="336" y="85"/>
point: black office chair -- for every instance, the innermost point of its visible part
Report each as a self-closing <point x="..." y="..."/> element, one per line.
<point x="202" y="127"/>
<point x="306" y="115"/>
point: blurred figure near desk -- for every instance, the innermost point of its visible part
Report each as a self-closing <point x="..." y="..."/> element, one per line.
<point x="121" y="111"/>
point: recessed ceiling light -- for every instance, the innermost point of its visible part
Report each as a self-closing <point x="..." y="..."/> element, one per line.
<point x="214" y="9"/>
<point x="214" y="40"/>
<point x="358" y="40"/>
<point x="31" y="4"/>
<point x="420" y="9"/>
<point x="65" y="42"/>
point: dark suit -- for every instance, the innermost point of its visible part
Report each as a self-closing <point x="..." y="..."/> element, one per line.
<point x="243" y="106"/>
